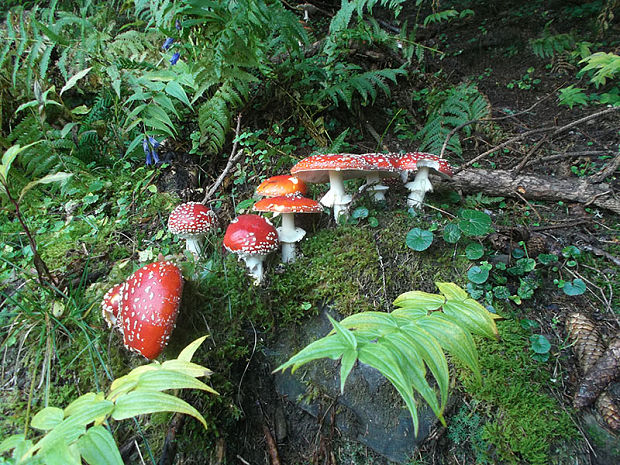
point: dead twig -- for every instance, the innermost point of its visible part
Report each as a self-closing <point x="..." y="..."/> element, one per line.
<point x="552" y="129"/>
<point x="234" y="157"/>
<point x="607" y="171"/>
<point x="272" y="447"/>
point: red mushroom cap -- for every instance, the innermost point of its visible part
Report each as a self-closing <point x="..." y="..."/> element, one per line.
<point x="110" y="305"/>
<point x="316" y="168"/>
<point x="386" y="163"/>
<point x="149" y="305"/>
<point x="283" y="184"/>
<point x="190" y="219"/>
<point x="251" y="234"/>
<point x="288" y="204"/>
<point x="412" y="161"/>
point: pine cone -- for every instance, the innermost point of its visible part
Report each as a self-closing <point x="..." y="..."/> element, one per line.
<point x="604" y="371"/>
<point x="608" y="410"/>
<point x="588" y="345"/>
<point x="536" y="244"/>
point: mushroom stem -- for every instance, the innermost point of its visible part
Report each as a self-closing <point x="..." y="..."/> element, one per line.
<point x="194" y="245"/>
<point x="336" y="197"/>
<point x="289" y="235"/>
<point x="418" y="188"/>
<point x="373" y="183"/>
<point x="254" y="263"/>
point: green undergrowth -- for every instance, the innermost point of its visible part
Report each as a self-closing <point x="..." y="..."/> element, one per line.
<point x="526" y="424"/>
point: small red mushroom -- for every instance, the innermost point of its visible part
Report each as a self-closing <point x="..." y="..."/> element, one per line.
<point x="110" y="305"/>
<point x="252" y="238"/>
<point x="191" y="221"/>
<point x="149" y="304"/>
<point x="288" y="205"/>
<point x="283" y="184"/>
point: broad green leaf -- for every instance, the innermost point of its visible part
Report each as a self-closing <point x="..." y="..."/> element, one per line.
<point x="429" y="348"/>
<point x="419" y="300"/>
<point x="174" y="89"/>
<point x="329" y="346"/>
<point x="59" y="453"/>
<point x="477" y="274"/>
<point x="74" y="79"/>
<point x="189" y="368"/>
<point x="50" y="178"/>
<point x="11" y="442"/>
<point x="454" y="339"/>
<point x="419" y="239"/>
<point x="82" y="402"/>
<point x="165" y="102"/>
<point x="540" y="344"/>
<point x="142" y="402"/>
<point x="48" y="418"/>
<point x="346" y="365"/>
<point x="98" y="447"/>
<point x="379" y="322"/>
<point x="406" y="315"/>
<point x="475" y="321"/>
<point x="474" y="223"/>
<point x="451" y="233"/>
<point x="161" y="380"/>
<point x="158" y="113"/>
<point x="121" y="386"/>
<point x="576" y="287"/>
<point x="474" y="251"/>
<point x="9" y="157"/>
<point x="187" y="353"/>
<point x="452" y="291"/>
<point x="346" y="335"/>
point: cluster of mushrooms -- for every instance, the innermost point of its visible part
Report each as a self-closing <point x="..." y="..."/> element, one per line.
<point x="145" y="306"/>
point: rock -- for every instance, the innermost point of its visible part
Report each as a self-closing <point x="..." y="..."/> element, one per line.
<point x="370" y="410"/>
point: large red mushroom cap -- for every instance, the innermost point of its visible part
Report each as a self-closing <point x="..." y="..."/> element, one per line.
<point x="316" y="168"/>
<point x="149" y="305"/>
<point x="251" y="238"/>
<point x="110" y="305"/>
<point x="191" y="221"/>
<point x="283" y="184"/>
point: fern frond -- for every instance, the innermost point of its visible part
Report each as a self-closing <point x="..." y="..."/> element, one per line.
<point x="215" y="115"/>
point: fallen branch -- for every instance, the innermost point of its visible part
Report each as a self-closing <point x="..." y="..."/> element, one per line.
<point x="505" y="183"/>
<point x="234" y="157"/>
<point x="550" y="129"/>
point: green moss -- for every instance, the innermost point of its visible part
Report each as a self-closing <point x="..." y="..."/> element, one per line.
<point x="525" y="420"/>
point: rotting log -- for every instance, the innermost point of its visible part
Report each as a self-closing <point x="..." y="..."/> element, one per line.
<point x="534" y="187"/>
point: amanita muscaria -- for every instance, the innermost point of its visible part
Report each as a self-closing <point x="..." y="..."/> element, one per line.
<point x="288" y="206"/>
<point x="251" y="238"/>
<point x="422" y="163"/>
<point x="191" y="221"/>
<point x="147" y="307"/>
<point x="110" y="305"/>
<point x="282" y="184"/>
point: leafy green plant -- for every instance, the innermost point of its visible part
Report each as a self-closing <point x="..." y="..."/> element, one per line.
<point x="541" y="346"/>
<point x="419" y="239"/>
<point x="402" y="344"/>
<point x="79" y="431"/>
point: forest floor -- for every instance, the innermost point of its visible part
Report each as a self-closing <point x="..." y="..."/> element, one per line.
<point x="490" y="48"/>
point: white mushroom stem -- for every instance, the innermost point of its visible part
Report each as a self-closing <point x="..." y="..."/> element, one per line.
<point x="336" y="196"/>
<point x="418" y="188"/>
<point x="373" y="184"/>
<point x="289" y="235"/>
<point x="254" y="263"/>
<point x="194" y="245"/>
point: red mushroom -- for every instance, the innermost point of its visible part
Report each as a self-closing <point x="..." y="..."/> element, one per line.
<point x="191" y="221"/>
<point x="335" y="167"/>
<point x="283" y="184"/>
<point x="421" y="184"/>
<point x="252" y="238"/>
<point x="383" y="166"/>
<point x="149" y="304"/>
<point x="288" y="205"/>
<point x="110" y="305"/>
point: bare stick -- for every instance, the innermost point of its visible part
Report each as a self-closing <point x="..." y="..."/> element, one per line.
<point x="234" y="156"/>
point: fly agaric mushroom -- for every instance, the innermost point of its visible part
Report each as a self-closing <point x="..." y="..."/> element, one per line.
<point x="288" y="205"/>
<point x="110" y="305"/>
<point x="283" y="184"/>
<point x="252" y="238"/>
<point x="384" y="166"/>
<point x="149" y="304"/>
<point x="423" y="163"/>
<point x="335" y="167"/>
<point x="191" y="221"/>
